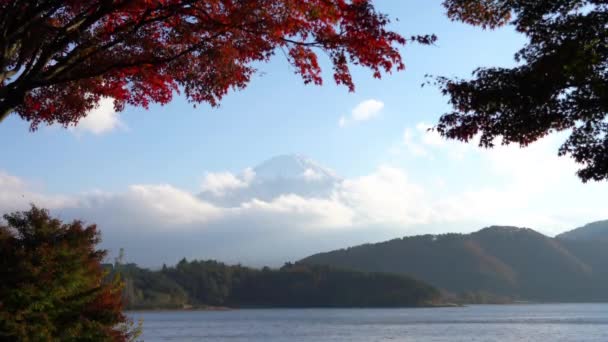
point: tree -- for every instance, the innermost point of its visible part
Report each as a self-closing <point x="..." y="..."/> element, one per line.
<point x="560" y="84"/>
<point x="61" y="57"/>
<point x="52" y="285"/>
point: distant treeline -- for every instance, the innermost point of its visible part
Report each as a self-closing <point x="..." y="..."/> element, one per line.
<point x="210" y="283"/>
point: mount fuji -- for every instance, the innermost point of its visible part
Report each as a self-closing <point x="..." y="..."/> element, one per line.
<point x="293" y="167"/>
<point x="281" y="175"/>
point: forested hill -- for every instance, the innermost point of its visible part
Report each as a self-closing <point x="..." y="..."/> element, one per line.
<point x="592" y="231"/>
<point x="493" y="264"/>
<point x="210" y="283"/>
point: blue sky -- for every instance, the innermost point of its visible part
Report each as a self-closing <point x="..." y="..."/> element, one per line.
<point x="179" y="146"/>
<point x="275" y="114"/>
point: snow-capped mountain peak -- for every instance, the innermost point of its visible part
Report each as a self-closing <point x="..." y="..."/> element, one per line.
<point x="281" y="175"/>
<point x="292" y="167"/>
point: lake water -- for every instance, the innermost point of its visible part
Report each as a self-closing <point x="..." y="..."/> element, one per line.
<point x="543" y="322"/>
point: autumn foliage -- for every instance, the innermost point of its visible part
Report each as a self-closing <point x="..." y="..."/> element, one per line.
<point x="52" y="284"/>
<point x="59" y="58"/>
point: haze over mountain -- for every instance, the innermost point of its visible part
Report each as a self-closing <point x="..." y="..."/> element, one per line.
<point x="280" y="175"/>
<point x="590" y="231"/>
<point x="176" y="181"/>
<point x="493" y="264"/>
<point x="293" y="167"/>
<point x="289" y="202"/>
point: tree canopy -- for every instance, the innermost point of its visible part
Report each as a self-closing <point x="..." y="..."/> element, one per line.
<point x="52" y="284"/>
<point x="560" y="84"/>
<point x="59" y="58"/>
<point x="200" y="283"/>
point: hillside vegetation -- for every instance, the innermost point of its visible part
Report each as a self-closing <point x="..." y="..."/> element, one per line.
<point x="495" y="264"/>
<point x="211" y="283"/>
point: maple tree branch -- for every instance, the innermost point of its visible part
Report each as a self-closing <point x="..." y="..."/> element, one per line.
<point x="83" y="52"/>
<point x="144" y="62"/>
<point x="34" y="18"/>
<point x="7" y="106"/>
<point x="62" y="56"/>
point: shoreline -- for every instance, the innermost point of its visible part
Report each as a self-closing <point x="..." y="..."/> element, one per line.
<point x="447" y="305"/>
<point x="227" y="308"/>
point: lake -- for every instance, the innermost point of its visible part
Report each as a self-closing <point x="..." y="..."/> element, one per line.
<point x="539" y="322"/>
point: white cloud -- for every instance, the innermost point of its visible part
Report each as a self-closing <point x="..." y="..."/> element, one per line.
<point x="219" y="183"/>
<point x="508" y="184"/>
<point x="367" y="110"/>
<point x="536" y="165"/>
<point x="255" y="217"/>
<point x="296" y="211"/>
<point x="10" y="183"/>
<point x="424" y="142"/>
<point x="248" y="175"/>
<point x="364" y="111"/>
<point x="16" y="194"/>
<point x="100" y="120"/>
<point x="386" y="196"/>
<point x="430" y="137"/>
<point x="414" y="147"/>
<point x="160" y="223"/>
<point x="170" y="205"/>
<point x="312" y="175"/>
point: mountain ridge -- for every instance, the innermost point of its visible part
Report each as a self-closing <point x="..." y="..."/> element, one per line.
<point x="593" y="230"/>
<point x="496" y="263"/>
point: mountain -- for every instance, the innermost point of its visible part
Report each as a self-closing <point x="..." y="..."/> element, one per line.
<point x="292" y="166"/>
<point x="590" y="231"/>
<point x="493" y="264"/>
<point x="285" y="174"/>
<point x="590" y="243"/>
